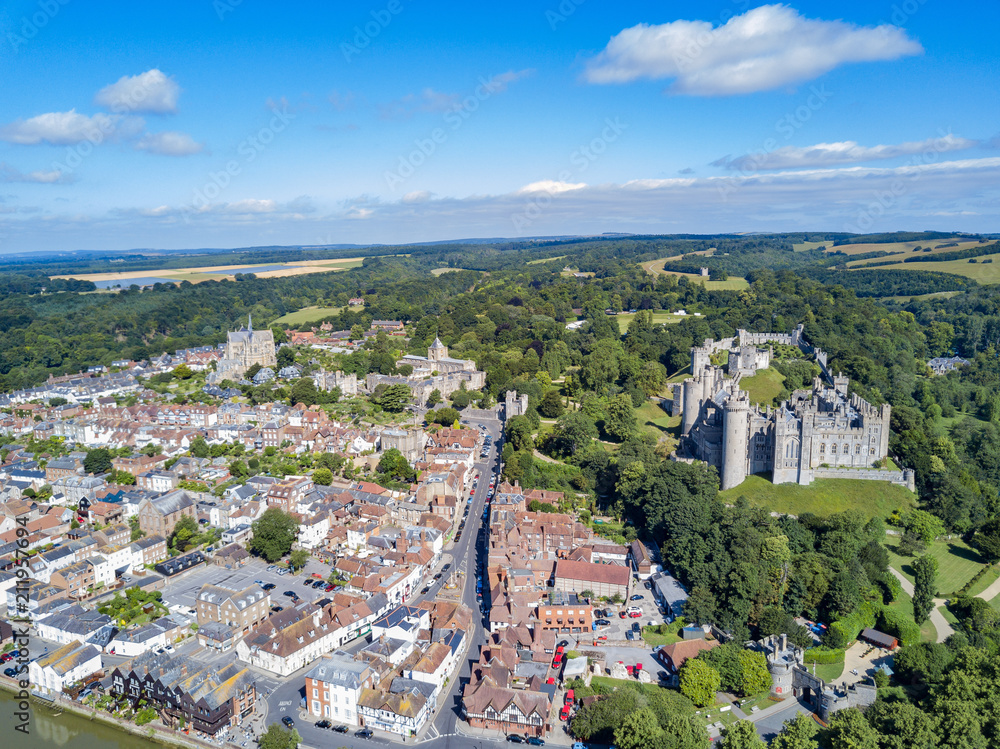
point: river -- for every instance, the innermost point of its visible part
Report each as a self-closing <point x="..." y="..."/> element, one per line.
<point x="66" y="731"/>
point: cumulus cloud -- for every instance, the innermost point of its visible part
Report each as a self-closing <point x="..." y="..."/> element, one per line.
<point x="69" y="128"/>
<point x="152" y="92"/>
<point x="169" y="143"/>
<point x="763" y="49"/>
<point x="417" y="196"/>
<point x="842" y="152"/>
<point x="9" y="173"/>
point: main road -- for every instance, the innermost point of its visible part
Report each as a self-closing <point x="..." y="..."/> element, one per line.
<point x="465" y="556"/>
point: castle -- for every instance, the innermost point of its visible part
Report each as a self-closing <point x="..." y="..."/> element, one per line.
<point x="244" y="348"/>
<point x="821" y="432"/>
<point x="436" y="371"/>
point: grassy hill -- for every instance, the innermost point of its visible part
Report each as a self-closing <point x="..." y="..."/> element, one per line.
<point x="308" y="314"/>
<point x="763" y="387"/>
<point x="824" y="496"/>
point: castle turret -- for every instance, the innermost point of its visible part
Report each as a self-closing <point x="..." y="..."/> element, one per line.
<point x="735" y="440"/>
<point x="692" y="395"/>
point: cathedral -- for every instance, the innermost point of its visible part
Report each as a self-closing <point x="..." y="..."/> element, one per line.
<point x="244" y="348"/>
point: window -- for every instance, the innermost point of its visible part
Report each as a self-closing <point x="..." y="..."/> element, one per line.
<point x="822" y="448"/>
<point x="315" y="692"/>
<point x="833" y="449"/>
<point x="847" y="450"/>
<point x="857" y="449"/>
<point x="315" y="707"/>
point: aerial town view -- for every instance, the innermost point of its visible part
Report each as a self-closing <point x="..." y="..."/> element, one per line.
<point x="379" y="374"/>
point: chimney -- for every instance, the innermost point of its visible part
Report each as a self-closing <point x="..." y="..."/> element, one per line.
<point x="784" y="642"/>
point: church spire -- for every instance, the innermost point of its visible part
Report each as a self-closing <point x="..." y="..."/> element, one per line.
<point x="250" y="324"/>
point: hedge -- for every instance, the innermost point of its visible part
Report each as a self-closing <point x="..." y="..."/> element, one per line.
<point x="896" y="624"/>
<point x="824" y="655"/>
<point x="851" y="625"/>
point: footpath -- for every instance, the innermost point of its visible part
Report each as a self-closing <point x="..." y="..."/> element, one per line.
<point x="944" y="629"/>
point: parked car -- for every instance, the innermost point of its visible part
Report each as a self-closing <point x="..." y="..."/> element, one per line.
<point x="11" y="672"/>
<point x="277" y="609"/>
<point x="569" y="697"/>
<point x="341" y="729"/>
<point x="169" y="648"/>
<point x="289" y="723"/>
<point x="636" y="598"/>
<point x="328" y="587"/>
<point x="364" y="733"/>
<point x="647" y="585"/>
<point x="622" y="614"/>
<point x="268" y="587"/>
<point x="603" y="637"/>
<point x="635" y="614"/>
<point x="535" y="741"/>
<point x="602" y="623"/>
<point x="6" y="657"/>
<point x="514" y="738"/>
<point x="307" y="582"/>
<point x="636" y="628"/>
<point x="564" y="713"/>
<point x="290" y="594"/>
<point x="629" y="635"/>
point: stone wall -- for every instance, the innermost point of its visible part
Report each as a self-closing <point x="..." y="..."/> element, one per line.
<point x="905" y="477"/>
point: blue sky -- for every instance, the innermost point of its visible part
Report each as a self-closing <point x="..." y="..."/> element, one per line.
<point x="227" y="123"/>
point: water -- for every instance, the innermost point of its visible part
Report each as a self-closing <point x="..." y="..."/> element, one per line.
<point x="65" y="731"/>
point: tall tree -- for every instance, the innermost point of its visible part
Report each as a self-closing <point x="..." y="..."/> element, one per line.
<point x="699" y="682"/>
<point x="273" y="534"/>
<point x="741" y="735"/>
<point x="924" y="587"/>
<point x="620" y="423"/>
<point x="798" y="733"/>
<point x="97" y="460"/>
<point x="639" y="730"/>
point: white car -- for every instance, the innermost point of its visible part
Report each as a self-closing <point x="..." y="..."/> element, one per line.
<point x="169" y="648"/>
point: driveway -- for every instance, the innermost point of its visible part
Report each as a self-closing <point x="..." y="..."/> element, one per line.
<point x="944" y="629"/>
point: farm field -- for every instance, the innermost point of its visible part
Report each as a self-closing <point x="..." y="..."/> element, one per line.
<point x="655" y="267"/>
<point x="824" y="496"/>
<point x="440" y="271"/>
<point x="309" y="314"/>
<point x="984" y="273"/>
<point x="218" y="272"/>
<point x="932" y="295"/>
<point x="906" y="254"/>
<point x="545" y="260"/>
<point x="957" y="563"/>
<point x="658" y="318"/>
<point x="763" y="387"/>
<point x="901" y="247"/>
<point x="806" y="246"/>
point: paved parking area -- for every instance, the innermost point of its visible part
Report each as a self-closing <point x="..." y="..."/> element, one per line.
<point x="182" y="590"/>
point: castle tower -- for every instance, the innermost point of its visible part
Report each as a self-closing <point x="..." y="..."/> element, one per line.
<point x="841" y="383"/>
<point x="735" y="440"/>
<point x="692" y="395"/>
<point x="700" y="359"/>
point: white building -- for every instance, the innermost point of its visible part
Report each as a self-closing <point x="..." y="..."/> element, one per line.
<point x="70" y="663"/>
<point x="333" y="686"/>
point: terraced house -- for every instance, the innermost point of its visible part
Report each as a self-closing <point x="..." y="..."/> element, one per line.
<point x="207" y="697"/>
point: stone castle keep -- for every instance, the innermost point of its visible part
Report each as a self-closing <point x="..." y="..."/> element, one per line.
<point x="822" y="432"/>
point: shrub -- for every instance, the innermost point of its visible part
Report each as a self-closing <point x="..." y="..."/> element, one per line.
<point x="824" y="655"/>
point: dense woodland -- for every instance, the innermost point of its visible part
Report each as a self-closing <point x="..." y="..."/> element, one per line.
<point x="506" y="306"/>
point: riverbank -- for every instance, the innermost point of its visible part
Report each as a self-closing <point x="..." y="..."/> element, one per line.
<point x="44" y="711"/>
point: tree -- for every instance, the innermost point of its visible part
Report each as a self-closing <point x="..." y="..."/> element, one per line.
<point x="684" y="732"/>
<point x="97" y="460"/>
<point x="394" y="398"/>
<point x="699" y="682"/>
<point x="987" y="540"/>
<point x="434" y="398"/>
<point x="518" y="433"/>
<point x="639" y="730"/>
<point x="184" y="531"/>
<point x="754" y="676"/>
<point x="923" y="525"/>
<point x="273" y="534"/>
<point x="797" y="733"/>
<point x="322" y="476"/>
<point x="137" y="533"/>
<point x="286" y="357"/>
<point x="741" y="735"/>
<point x="460" y="399"/>
<point x="571" y="434"/>
<point x="394" y="465"/>
<point x="700" y="606"/>
<point x="183" y="372"/>
<point x="620" y="423"/>
<point x="551" y="406"/>
<point x="444" y="416"/>
<point x="279" y="737"/>
<point x="924" y="587"/>
<point x="298" y="558"/>
<point x="850" y="730"/>
<point x="304" y="391"/>
<point x="200" y="448"/>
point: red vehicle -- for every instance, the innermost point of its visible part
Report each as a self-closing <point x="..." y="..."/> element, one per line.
<point x="568" y="700"/>
<point x="622" y="614"/>
<point x="564" y="713"/>
<point x="550" y="680"/>
<point x="317" y="576"/>
<point x="638" y="667"/>
<point x="630" y="670"/>
<point x="635" y="615"/>
<point x="603" y="637"/>
<point x="557" y="660"/>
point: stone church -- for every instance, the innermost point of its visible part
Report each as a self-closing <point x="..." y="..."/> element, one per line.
<point x="244" y="348"/>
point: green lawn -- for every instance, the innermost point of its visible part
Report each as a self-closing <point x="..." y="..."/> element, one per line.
<point x="659" y="317"/>
<point x="308" y="314"/>
<point x="995" y="603"/>
<point x="984" y="273"/>
<point x="439" y="271"/>
<point x="957" y="563"/>
<point x="824" y="496"/>
<point x="763" y="387"/>
<point x="828" y="671"/>
<point x="654" y="420"/>
<point x="545" y="260"/>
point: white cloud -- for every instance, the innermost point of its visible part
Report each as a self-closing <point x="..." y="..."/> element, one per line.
<point x="251" y="205"/>
<point x="9" y="173"/>
<point x="169" y="143"/>
<point x="550" y="186"/>
<point x="427" y="100"/>
<point x="152" y="92"/>
<point x="763" y="49"/>
<point x="500" y="83"/>
<point x="842" y="152"/>
<point x="417" y="196"/>
<point x="69" y="128"/>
